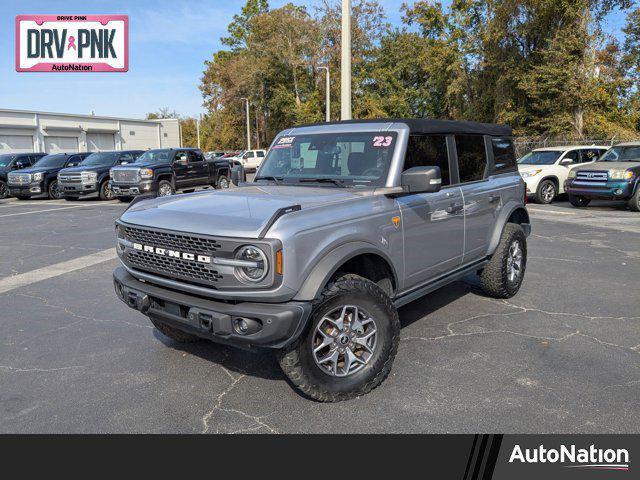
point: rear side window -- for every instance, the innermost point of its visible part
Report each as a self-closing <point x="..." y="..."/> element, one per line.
<point x="472" y="158"/>
<point x="591" y="155"/>
<point x="429" y="151"/>
<point x="260" y="153"/>
<point x="504" y="158"/>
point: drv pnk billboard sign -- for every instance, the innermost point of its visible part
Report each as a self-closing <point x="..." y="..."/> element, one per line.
<point x="72" y="43"/>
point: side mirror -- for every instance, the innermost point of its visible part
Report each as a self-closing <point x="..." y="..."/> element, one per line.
<point x="566" y="163"/>
<point x="421" y="180"/>
<point x="237" y="175"/>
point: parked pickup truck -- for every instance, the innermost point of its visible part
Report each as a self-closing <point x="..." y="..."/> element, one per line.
<point x="14" y="161"/>
<point x="614" y="176"/>
<point x="344" y="223"/>
<point x="91" y="177"/>
<point x="166" y="171"/>
<point x="41" y="180"/>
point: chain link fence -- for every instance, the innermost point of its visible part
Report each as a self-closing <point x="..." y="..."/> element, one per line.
<point x="524" y="145"/>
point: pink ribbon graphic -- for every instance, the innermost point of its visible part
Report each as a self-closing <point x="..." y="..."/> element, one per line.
<point x="72" y="43"/>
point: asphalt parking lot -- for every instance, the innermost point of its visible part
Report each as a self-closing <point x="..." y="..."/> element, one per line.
<point x="562" y="356"/>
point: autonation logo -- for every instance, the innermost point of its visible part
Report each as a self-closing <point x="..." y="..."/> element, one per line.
<point x="573" y="457"/>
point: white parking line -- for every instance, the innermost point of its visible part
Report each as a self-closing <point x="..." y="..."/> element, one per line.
<point x="45" y="273"/>
<point x="40" y="211"/>
<point x="548" y="211"/>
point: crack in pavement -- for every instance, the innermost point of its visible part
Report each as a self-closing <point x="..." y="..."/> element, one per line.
<point x="26" y="370"/>
<point x="206" y="419"/>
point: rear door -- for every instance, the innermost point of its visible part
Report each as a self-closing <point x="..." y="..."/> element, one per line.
<point x="481" y="199"/>
<point x="433" y="223"/>
<point x="199" y="169"/>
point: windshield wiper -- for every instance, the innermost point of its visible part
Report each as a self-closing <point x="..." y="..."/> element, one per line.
<point x="336" y="181"/>
<point x="275" y="180"/>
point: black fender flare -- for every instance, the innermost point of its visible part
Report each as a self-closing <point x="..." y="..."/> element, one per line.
<point x="329" y="264"/>
<point x="503" y="218"/>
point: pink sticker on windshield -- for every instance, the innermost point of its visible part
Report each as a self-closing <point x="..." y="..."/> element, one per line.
<point x="72" y="43"/>
<point x="382" y="141"/>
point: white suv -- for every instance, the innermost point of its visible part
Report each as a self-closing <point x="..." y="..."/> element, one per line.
<point x="545" y="170"/>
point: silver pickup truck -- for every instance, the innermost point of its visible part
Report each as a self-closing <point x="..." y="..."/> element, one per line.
<point x="343" y="223"/>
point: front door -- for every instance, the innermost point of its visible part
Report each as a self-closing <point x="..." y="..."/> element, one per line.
<point x="181" y="169"/>
<point x="433" y="223"/>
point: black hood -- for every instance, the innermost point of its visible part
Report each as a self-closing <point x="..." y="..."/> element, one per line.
<point x="88" y="168"/>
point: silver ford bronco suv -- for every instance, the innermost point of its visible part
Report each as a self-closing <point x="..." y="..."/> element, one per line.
<point x="344" y="223"/>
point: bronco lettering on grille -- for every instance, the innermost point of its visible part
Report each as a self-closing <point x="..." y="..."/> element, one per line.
<point x="172" y="253"/>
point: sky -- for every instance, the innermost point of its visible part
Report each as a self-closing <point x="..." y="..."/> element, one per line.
<point x="168" y="45"/>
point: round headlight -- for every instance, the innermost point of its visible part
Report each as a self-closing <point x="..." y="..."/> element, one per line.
<point x="257" y="264"/>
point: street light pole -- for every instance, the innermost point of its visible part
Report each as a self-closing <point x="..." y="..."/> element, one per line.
<point x="248" y="126"/>
<point x="328" y="94"/>
<point x="198" y="120"/>
<point x="345" y="62"/>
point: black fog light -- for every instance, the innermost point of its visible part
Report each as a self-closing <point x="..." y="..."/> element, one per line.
<point x="618" y="191"/>
<point x="246" y="326"/>
<point x="118" y="286"/>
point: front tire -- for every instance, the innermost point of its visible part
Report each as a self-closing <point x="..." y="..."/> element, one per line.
<point x="105" y="191"/>
<point x="53" y="190"/>
<point x="578" y="201"/>
<point x="350" y="344"/>
<point x="634" y="201"/>
<point x="546" y="192"/>
<point x="503" y="275"/>
<point x="4" y="190"/>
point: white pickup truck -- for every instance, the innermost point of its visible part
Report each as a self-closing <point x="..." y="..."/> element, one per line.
<point x="250" y="159"/>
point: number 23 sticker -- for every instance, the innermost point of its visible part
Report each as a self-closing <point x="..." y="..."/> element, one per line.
<point x="382" y="141"/>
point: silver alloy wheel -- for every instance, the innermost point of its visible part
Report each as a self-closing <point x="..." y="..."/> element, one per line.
<point x="514" y="261"/>
<point x="108" y="193"/>
<point x="54" y="191"/>
<point x="4" y="191"/>
<point x="223" y="183"/>
<point x="548" y="192"/>
<point x="165" y="190"/>
<point x="344" y="341"/>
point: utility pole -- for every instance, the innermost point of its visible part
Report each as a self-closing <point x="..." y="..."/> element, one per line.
<point x="328" y="94"/>
<point x="248" y="126"/>
<point x="198" y="120"/>
<point x="345" y="62"/>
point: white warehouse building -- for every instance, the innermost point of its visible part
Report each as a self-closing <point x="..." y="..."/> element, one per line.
<point x="28" y="131"/>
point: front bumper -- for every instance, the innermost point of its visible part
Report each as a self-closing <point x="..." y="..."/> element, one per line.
<point x="132" y="189"/>
<point x="279" y="323"/>
<point x="32" y="190"/>
<point x="77" y="189"/>
<point x="612" y="190"/>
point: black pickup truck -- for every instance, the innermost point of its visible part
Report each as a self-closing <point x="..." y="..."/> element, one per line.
<point x="91" y="177"/>
<point x="167" y="171"/>
<point x="14" y="161"/>
<point x="41" y="180"/>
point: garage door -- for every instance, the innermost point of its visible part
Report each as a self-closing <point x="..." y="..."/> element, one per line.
<point x="60" y="144"/>
<point x="100" y="142"/>
<point x="16" y="143"/>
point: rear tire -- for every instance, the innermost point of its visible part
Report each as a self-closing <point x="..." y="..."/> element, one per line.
<point x="165" y="188"/>
<point x="223" y="182"/>
<point x="357" y="357"/>
<point x="53" y="190"/>
<point x="634" y="201"/>
<point x="503" y="275"/>
<point x="578" y="201"/>
<point x="173" y="333"/>
<point x="546" y="192"/>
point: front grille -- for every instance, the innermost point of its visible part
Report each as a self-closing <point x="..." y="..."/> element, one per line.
<point x="172" y="267"/>
<point x="126" y="176"/>
<point x="70" y="177"/>
<point x="591" y="178"/>
<point x="19" y="179"/>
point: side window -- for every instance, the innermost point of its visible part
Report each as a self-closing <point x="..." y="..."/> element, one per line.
<point x="504" y="158"/>
<point x="73" y="161"/>
<point x="472" y="159"/>
<point x="590" y="155"/>
<point x="428" y="151"/>
<point x="260" y="153"/>
<point x="572" y="156"/>
<point x="249" y="155"/>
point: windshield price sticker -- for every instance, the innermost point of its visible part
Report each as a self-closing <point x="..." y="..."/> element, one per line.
<point x="382" y="141"/>
<point x="72" y="43"/>
<point x="284" y="142"/>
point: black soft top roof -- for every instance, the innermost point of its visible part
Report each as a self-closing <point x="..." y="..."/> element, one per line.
<point x="427" y="125"/>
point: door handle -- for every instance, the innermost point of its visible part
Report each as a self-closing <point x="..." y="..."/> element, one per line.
<point x="494" y="198"/>
<point x="455" y="208"/>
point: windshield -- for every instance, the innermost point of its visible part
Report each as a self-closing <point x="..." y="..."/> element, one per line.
<point x="5" y="160"/>
<point x="356" y="159"/>
<point x="52" y="161"/>
<point x="540" y="158"/>
<point x="153" y="156"/>
<point x="100" y="158"/>
<point x="621" y="154"/>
